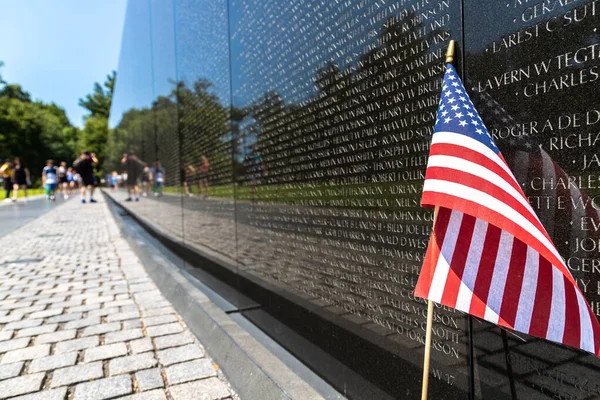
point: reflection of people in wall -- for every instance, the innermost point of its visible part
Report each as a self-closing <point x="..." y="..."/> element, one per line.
<point x="134" y="167"/>
<point x="146" y="178"/>
<point x="158" y="173"/>
<point x="184" y="171"/>
<point x="203" y="177"/>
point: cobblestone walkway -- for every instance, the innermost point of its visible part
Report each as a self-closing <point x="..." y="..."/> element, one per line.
<point x="80" y="319"/>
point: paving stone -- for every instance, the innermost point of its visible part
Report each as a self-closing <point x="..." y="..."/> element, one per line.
<point x="149" y="379"/>
<point x="14" y="344"/>
<point x="28" y="353"/>
<point x="162" y="330"/>
<point x="11" y="370"/>
<point x="76" y="344"/>
<point x="100" y="299"/>
<point x="142" y="287"/>
<point x="105" y="352"/>
<point x="85" y="308"/>
<point x="47" y="313"/>
<point x="54" y="394"/>
<point x="123" y="336"/>
<point x="104" y="388"/>
<point x="160" y="320"/>
<point x="28" y="323"/>
<point x="152" y="395"/>
<point x="11" y="318"/>
<point x="141" y="345"/>
<point x="103" y="312"/>
<point x="65" y="318"/>
<point x="211" y="389"/>
<point x="130" y="308"/>
<point x="132" y="324"/>
<point x="158" y="311"/>
<point x="54" y="337"/>
<point x="75" y="374"/>
<point x="102" y="328"/>
<point x="190" y="371"/>
<point x="123" y="316"/>
<point x="82" y="323"/>
<point x="20" y="385"/>
<point x="53" y="362"/>
<point x="6" y="335"/>
<point x="180" y="354"/>
<point x="137" y="362"/>
<point x="179" y="339"/>
<point x="38" y="330"/>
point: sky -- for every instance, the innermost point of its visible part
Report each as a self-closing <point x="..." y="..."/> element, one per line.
<point x="57" y="49"/>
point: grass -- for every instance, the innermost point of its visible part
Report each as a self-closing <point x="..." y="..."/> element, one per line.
<point x="30" y="192"/>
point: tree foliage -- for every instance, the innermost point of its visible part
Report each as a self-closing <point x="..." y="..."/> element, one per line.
<point x="98" y="102"/>
<point x="95" y="133"/>
<point x="33" y="130"/>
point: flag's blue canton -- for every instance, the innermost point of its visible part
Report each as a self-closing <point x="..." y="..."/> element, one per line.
<point x="456" y="112"/>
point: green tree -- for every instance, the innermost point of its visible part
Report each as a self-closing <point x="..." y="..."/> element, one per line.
<point x="98" y="102"/>
<point x="33" y="130"/>
<point x="95" y="133"/>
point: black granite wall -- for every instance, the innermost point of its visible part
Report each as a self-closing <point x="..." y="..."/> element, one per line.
<point x="294" y="137"/>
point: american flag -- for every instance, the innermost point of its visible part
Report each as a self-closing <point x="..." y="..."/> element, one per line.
<point x="489" y="255"/>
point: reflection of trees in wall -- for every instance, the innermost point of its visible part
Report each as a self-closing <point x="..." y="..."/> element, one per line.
<point x="277" y="126"/>
<point x="152" y="133"/>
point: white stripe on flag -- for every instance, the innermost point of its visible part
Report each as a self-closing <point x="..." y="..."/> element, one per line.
<point x="528" y="291"/>
<point x="492" y="203"/>
<point x="556" y="320"/>
<point x="467" y="284"/>
<point x="460" y="164"/>
<point x="496" y="294"/>
<point x="469" y="143"/>
<point x="587" y="331"/>
<point x="443" y="264"/>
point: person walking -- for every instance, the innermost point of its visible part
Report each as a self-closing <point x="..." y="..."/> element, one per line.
<point x="146" y="178"/>
<point x="84" y="165"/>
<point x="21" y="179"/>
<point x="6" y="171"/>
<point x="63" y="182"/>
<point x="50" y="180"/>
<point x="133" y="166"/>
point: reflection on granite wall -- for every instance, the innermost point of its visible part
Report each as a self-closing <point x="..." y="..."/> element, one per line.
<point x="294" y="138"/>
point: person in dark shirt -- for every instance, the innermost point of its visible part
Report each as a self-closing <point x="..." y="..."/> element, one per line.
<point x="20" y="178"/>
<point x="134" y="168"/>
<point x="84" y="165"/>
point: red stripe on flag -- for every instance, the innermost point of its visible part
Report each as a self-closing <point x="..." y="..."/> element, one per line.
<point x="572" y="335"/>
<point x="476" y="182"/>
<point x="459" y="259"/>
<point x="496" y="219"/>
<point x="481" y="289"/>
<point x="596" y="329"/>
<point x="455" y="150"/>
<point x="514" y="282"/>
<point x="433" y="252"/>
<point x="543" y="300"/>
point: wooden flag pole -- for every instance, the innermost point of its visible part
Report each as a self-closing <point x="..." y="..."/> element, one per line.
<point x="427" y="355"/>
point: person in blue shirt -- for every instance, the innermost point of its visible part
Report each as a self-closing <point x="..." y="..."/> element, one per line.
<point x="50" y="179"/>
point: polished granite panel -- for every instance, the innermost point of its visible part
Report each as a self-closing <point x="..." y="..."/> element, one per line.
<point x="533" y="72"/>
<point x="294" y="137"/>
<point x="338" y="104"/>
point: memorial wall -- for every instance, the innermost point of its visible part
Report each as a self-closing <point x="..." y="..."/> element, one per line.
<point x="294" y="138"/>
